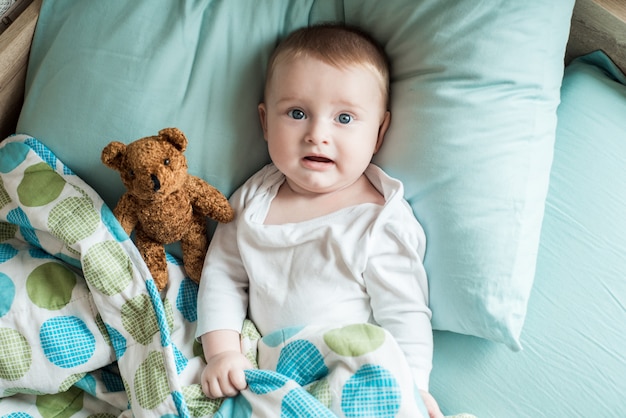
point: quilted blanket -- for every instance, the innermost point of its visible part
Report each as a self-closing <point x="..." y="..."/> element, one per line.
<point x="85" y="333"/>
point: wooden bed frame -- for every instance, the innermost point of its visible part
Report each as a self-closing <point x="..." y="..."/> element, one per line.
<point x="14" y="48"/>
<point x="596" y="24"/>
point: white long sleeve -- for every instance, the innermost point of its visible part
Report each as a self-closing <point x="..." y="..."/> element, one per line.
<point x="359" y="264"/>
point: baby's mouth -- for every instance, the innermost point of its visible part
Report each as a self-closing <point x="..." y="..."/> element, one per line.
<point x="318" y="159"/>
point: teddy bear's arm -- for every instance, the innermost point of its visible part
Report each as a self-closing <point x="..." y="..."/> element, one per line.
<point x="208" y="201"/>
<point x="126" y="213"/>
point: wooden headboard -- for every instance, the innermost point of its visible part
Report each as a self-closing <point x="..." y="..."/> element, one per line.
<point x="14" y="48"/>
<point x="599" y="24"/>
<point x="596" y="24"/>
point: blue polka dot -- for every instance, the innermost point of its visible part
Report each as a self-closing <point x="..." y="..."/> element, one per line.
<point x="281" y="336"/>
<point x="69" y="260"/>
<point x="117" y="341"/>
<point x="187" y="300"/>
<point x="238" y="407"/>
<point x="371" y="392"/>
<point x="17" y="415"/>
<point x="181" y="360"/>
<point x="173" y="259"/>
<point x="298" y="403"/>
<point x="39" y="253"/>
<point x="18" y="217"/>
<point x="13" y="154"/>
<point x="30" y="236"/>
<point x="264" y="381"/>
<point x="68" y="171"/>
<point x="7" y="294"/>
<point x="42" y="151"/>
<point x="66" y="341"/>
<point x="88" y="384"/>
<point x="159" y="311"/>
<point x="181" y="406"/>
<point x="7" y="252"/>
<point x="47" y="155"/>
<point x="301" y="361"/>
<point x="112" y="224"/>
<point x="112" y="380"/>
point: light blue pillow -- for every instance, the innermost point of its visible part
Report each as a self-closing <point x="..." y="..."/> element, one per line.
<point x="475" y="88"/>
<point x="573" y="363"/>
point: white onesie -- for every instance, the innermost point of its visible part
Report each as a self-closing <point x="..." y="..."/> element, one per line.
<point x="359" y="264"/>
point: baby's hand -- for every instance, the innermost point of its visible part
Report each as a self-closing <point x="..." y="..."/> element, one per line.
<point x="223" y="374"/>
<point x="431" y="405"/>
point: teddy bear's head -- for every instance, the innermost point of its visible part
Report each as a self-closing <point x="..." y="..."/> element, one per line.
<point x="150" y="167"/>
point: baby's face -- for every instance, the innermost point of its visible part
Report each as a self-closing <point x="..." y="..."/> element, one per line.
<point x="322" y="124"/>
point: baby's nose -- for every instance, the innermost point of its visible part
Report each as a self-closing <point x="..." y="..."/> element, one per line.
<point x="318" y="133"/>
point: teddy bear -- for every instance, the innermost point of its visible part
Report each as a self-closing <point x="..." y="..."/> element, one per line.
<point x="163" y="203"/>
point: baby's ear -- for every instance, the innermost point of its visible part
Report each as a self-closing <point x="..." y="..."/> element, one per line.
<point x="175" y="137"/>
<point x="263" y="118"/>
<point x="382" y="130"/>
<point x="113" y="155"/>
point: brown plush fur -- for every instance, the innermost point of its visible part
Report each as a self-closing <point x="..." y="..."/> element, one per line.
<point x="163" y="203"/>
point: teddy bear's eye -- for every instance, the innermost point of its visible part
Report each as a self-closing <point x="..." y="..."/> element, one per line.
<point x="166" y="161"/>
<point x="131" y="173"/>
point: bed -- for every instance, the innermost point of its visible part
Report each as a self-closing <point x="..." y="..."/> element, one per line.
<point x="508" y="132"/>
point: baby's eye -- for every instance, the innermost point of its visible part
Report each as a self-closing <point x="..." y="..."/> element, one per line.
<point x="344" y="118"/>
<point x="297" y="114"/>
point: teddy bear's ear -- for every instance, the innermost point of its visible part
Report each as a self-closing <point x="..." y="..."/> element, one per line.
<point x="175" y="137"/>
<point x="112" y="155"/>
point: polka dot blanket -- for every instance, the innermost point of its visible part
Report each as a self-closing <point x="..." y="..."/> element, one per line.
<point x="85" y="333"/>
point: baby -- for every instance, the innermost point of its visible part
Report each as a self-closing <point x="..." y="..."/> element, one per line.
<point x="322" y="236"/>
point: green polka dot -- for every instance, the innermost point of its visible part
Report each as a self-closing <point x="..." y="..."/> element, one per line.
<point x="103" y="329"/>
<point x="60" y="405"/>
<point x="81" y="191"/>
<point x="169" y="314"/>
<point x="129" y="395"/>
<point x="198" y="404"/>
<point x="249" y="330"/>
<point x="73" y="219"/>
<point x="198" y="350"/>
<point x="321" y="391"/>
<point x="251" y="356"/>
<point x="5" y="199"/>
<point x="139" y="319"/>
<point x="73" y="251"/>
<point x="40" y="185"/>
<point x="355" y="340"/>
<point x="107" y="267"/>
<point x="69" y="382"/>
<point x="15" y="391"/>
<point x="50" y="286"/>
<point x="15" y="353"/>
<point x="151" y="386"/>
<point x="7" y="231"/>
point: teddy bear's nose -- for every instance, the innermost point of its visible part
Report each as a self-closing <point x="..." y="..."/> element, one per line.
<point x="156" y="184"/>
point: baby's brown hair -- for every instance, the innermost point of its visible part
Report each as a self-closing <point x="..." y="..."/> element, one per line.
<point x="336" y="44"/>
